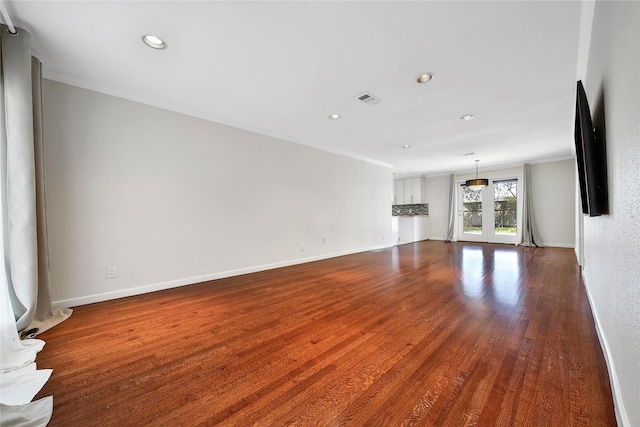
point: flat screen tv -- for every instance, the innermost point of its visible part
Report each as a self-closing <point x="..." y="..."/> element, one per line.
<point x="591" y="158"/>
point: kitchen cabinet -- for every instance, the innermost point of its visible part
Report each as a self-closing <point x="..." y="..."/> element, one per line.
<point x="411" y="229"/>
<point x="398" y="192"/>
<point x="412" y="191"/>
<point x="407" y="191"/>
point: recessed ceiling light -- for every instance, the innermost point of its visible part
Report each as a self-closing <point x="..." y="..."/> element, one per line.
<point x="334" y="116"/>
<point x="425" y="77"/>
<point x="154" y="41"/>
<point x="467" y="117"/>
<point x="406" y="146"/>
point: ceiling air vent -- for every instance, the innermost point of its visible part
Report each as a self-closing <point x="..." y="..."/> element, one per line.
<point x="368" y="98"/>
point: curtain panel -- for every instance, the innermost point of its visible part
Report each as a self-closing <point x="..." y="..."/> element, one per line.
<point x="451" y="224"/>
<point x="530" y="235"/>
<point x="25" y="299"/>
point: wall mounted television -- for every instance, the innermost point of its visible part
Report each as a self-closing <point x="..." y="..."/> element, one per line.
<point x="591" y="158"/>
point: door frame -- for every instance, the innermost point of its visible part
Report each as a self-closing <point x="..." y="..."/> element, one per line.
<point x="488" y="230"/>
<point x="471" y="237"/>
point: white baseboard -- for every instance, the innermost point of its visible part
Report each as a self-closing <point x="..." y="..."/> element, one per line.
<point x="621" y="413"/>
<point x="551" y="245"/>
<point x="558" y="245"/>
<point x="90" y="299"/>
<point x="106" y="296"/>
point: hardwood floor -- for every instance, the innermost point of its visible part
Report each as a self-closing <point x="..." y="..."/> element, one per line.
<point x="432" y="333"/>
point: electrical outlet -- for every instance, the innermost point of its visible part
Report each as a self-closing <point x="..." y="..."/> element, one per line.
<point x="112" y="273"/>
<point x="301" y="247"/>
<point x="324" y="240"/>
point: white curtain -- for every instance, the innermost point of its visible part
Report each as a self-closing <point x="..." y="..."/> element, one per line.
<point x="25" y="300"/>
<point x="529" y="230"/>
<point x="452" y="209"/>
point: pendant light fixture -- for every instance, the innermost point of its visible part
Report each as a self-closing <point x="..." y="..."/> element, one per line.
<point x="478" y="183"/>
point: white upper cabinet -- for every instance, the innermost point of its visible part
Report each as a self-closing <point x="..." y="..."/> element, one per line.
<point x="398" y="192"/>
<point x="407" y="191"/>
<point x="410" y="195"/>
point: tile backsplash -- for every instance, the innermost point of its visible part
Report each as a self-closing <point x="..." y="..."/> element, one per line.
<point x="410" y="210"/>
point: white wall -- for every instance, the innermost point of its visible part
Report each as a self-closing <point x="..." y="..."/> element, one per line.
<point x="611" y="242"/>
<point x="171" y="199"/>
<point x="437" y="196"/>
<point x="553" y="192"/>
<point x="552" y="189"/>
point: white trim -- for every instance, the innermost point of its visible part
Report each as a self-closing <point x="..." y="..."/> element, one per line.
<point x="558" y="245"/>
<point x="544" y="245"/>
<point x="106" y="296"/>
<point x="488" y="232"/>
<point x="618" y="404"/>
<point x="410" y="243"/>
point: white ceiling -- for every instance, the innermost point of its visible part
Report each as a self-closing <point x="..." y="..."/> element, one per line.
<point x="281" y="68"/>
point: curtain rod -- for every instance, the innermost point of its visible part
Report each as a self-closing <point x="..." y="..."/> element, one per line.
<point x="7" y="18"/>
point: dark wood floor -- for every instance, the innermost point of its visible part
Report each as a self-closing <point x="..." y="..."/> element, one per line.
<point x="433" y="334"/>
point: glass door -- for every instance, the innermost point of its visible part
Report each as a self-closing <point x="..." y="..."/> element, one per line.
<point x="489" y="214"/>
<point x="505" y="211"/>
<point x="473" y="225"/>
